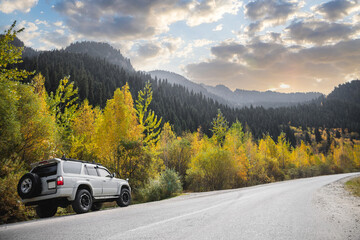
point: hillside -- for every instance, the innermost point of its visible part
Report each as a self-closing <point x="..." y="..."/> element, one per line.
<point x="347" y="92"/>
<point x="102" y="51"/>
<point x="177" y="79"/>
<point x="187" y="110"/>
<point x="238" y="98"/>
<point x="28" y="51"/>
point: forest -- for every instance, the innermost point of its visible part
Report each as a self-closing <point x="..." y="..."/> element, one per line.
<point x="163" y="138"/>
<point x="96" y="80"/>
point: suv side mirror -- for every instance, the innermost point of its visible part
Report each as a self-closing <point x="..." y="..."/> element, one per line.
<point x="112" y="175"/>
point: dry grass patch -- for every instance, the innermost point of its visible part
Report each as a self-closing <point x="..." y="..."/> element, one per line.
<point x="353" y="186"/>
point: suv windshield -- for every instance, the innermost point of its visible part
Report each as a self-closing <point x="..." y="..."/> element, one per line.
<point x="46" y="170"/>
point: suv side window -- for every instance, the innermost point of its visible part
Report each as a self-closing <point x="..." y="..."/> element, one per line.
<point x="103" y="172"/>
<point x="91" y="170"/>
<point x="72" y="167"/>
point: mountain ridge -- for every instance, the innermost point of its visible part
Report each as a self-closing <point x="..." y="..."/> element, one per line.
<point x="101" y="50"/>
<point x="240" y="97"/>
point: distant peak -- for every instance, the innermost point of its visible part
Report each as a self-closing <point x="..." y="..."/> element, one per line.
<point x="101" y="50"/>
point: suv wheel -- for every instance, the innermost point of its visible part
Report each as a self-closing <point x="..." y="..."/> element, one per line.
<point x="124" y="198"/>
<point x="29" y="186"/>
<point x="46" y="210"/>
<point x="82" y="202"/>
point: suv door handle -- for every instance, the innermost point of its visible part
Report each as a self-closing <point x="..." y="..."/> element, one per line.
<point x="87" y="179"/>
<point x="104" y="180"/>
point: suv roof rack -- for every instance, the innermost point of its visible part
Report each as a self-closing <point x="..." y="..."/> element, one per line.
<point x="76" y="160"/>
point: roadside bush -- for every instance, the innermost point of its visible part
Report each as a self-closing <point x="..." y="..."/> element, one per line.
<point x="170" y="182"/>
<point x="214" y="169"/>
<point x="151" y="191"/>
<point x="163" y="186"/>
<point x="11" y="207"/>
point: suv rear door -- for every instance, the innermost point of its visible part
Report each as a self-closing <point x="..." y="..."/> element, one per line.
<point x="93" y="178"/>
<point x="48" y="175"/>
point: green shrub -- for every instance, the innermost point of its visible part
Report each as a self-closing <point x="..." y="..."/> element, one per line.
<point x="165" y="185"/>
<point x="170" y="182"/>
<point x="11" y="207"/>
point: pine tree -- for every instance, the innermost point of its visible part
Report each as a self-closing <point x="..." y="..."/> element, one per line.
<point x="318" y="137"/>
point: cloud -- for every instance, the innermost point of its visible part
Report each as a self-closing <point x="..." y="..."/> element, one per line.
<point x="9" y="6"/>
<point x="266" y="13"/>
<point x="267" y="65"/>
<point x="44" y="36"/>
<point x="148" y="50"/>
<point x="58" y="23"/>
<point x="188" y="50"/>
<point x="56" y="39"/>
<point x="320" y="32"/>
<point x="208" y="11"/>
<point x="337" y="9"/>
<point x="140" y="19"/>
<point x="30" y="32"/>
<point x="38" y="22"/>
<point x="152" y="54"/>
<point x="227" y="51"/>
<point x="284" y="85"/>
<point x="201" y="42"/>
<point x="218" y="28"/>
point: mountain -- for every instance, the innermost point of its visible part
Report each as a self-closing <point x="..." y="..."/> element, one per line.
<point x="347" y="92"/>
<point x="266" y="99"/>
<point x="177" y="79"/>
<point x="103" y="51"/>
<point x="238" y="98"/>
<point x="188" y="110"/>
<point x="28" y="51"/>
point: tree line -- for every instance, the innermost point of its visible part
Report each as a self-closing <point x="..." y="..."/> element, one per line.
<point x="97" y="79"/>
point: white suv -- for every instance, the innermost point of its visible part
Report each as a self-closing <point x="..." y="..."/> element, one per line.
<point x="60" y="182"/>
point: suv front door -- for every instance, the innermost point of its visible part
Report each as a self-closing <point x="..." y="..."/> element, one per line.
<point x="109" y="184"/>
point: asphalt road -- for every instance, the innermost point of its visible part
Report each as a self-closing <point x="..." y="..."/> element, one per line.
<point x="284" y="210"/>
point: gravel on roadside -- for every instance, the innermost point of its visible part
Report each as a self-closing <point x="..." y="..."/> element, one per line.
<point x="340" y="207"/>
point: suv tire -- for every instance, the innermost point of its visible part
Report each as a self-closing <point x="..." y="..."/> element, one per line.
<point x="29" y="186"/>
<point x="83" y="201"/>
<point x="124" y="198"/>
<point x="46" y="210"/>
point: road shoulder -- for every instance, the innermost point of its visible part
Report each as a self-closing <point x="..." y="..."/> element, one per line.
<point x="340" y="207"/>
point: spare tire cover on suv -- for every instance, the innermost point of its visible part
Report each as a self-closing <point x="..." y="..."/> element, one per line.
<point x="29" y="186"/>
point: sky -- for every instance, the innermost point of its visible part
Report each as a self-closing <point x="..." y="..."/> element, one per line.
<point x="278" y="45"/>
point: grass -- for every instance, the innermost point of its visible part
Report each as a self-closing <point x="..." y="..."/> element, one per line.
<point x="353" y="186"/>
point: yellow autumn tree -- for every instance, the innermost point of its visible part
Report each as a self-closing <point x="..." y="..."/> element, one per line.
<point x="119" y="140"/>
<point x="83" y="128"/>
<point x="38" y="126"/>
<point x="234" y="143"/>
<point x="116" y="125"/>
<point x="167" y="137"/>
<point x="283" y="151"/>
